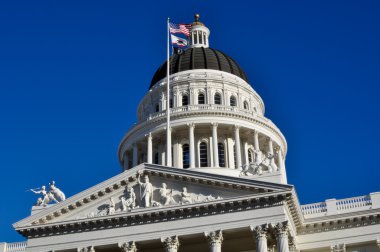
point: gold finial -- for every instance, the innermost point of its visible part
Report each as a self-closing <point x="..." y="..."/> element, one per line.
<point x="196" y="17"/>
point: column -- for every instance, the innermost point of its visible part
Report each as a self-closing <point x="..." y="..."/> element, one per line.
<point x="149" y="148"/>
<point x="215" y="144"/>
<point x="169" y="147"/>
<point x="191" y="144"/>
<point x="281" y="164"/>
<point x="256" y="140"/>
<point x="128" y="247"/>
<point x="270" y="146"/>
<point x="215" y="240"/>
<point x="171" y="244"/>
<point x="125" y="161"/>
<point x="237" y="148"/>
<point x="135" y="156"/>
<point x="281" y="230"/>
<point x="261" y="238"/>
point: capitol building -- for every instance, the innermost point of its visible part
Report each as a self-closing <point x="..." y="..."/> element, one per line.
<point x="215" y="180"/>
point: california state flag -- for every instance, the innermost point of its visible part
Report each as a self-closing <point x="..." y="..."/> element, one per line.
<point x="179" y="42"/>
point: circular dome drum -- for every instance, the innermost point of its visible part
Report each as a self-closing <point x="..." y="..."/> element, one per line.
<point x="199" y="58"/>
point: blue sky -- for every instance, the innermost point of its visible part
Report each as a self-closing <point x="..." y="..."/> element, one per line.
<point x="73" y="72"/>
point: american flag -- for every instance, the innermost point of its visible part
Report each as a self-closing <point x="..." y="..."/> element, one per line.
<point x="180" y="28"/>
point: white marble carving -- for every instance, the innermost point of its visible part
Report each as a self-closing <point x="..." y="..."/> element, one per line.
<point x="128" y="203"/>
<point x="166" y="195"/>
<point x="111" y="207"/>
<point x="57" y="193"/>
<point x="146" y="191"/>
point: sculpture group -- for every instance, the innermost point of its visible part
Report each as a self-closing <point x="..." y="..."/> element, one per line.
<point x="260" y="164"/>
<point x="147" y="191"/>
<point x="54" y="194"/>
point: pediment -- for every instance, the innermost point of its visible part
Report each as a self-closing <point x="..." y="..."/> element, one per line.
<point x="168" y="189"/>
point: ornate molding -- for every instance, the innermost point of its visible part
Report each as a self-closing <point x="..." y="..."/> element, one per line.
<point x="281" y="229"/>
<point x="214" y="238"/>
<point x="338" y="248"/>
<point x="128" y="247"/>
<point x="260" y="231"/>
<point x="86" y="249"/>
<point x="170" y="243"/>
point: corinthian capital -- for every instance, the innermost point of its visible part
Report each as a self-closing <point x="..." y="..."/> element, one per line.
<point x="170" y="243"/>
<point x="281" y="228"/>
<point x="214" y="238"/>
<point x="128" y="247"/>
<point x="260" y="231"/>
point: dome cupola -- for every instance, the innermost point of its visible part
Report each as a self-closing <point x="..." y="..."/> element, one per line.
<point x="199" y="34"/>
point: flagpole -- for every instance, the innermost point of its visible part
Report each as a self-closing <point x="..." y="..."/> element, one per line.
<point x="168" y="129"/>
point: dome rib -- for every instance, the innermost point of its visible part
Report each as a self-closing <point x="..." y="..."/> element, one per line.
<point x="199" y="58"/>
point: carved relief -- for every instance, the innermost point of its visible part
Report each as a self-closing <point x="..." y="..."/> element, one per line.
<point x="170" y="243"/>
<point x="215" y="238"/>
<point x="128" y="203"/>
<point x="128" y="247"/>
<point x="86" y="249"/>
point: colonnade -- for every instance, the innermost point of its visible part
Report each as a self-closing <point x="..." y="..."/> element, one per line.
<point x="241" y="158"/>
<point x="238" y="154"/>
<point x="215" y="240"/>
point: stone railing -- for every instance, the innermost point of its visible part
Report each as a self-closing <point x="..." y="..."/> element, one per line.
<point x="334" y="206"/>
<point x="202" y="107"/>
<point x="13" y="247"/>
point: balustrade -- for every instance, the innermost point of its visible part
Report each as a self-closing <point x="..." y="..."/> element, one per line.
<point x="333" y="206"/>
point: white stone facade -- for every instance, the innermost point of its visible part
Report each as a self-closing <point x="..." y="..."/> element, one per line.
<point x="226" y="189"/>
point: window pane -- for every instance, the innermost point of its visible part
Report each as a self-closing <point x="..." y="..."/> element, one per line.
<point x="185" y="100"/>
<point x="157" y="108"/>
<point x="185" y="156"/>
<point x="203" y="154"/>
<point x="250" y="156"/>
<point x="233" y="101"/>
<point x="217" y="99"/>
<point x="201" y="99"/>
<point x="200" y="37"/>
<point x="221" y="155"/>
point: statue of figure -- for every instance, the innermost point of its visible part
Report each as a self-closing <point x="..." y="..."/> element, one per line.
<point x="130" y="202"/>
<point x="166" y="195"/>
<point x="58" y="194"/>
<point x="111" y="207"/>
<point x="146" y="191"/>
<point x="46" y="198"/>
<point x="257" y="157"/>
<point x="185" y="196"/>
<point x="271" y="164"/>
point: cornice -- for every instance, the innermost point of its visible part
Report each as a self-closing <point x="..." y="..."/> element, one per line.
<point x="156" y="214"/>
<point x="265" y="194"/>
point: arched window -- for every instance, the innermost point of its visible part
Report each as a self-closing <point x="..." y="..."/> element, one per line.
<point x="185" y="100"/>
<point x="203" y="154"/>
<point x="201" y="98"/>
<point x="222" y="162"/>
<point x="233" y="101"/>
<point x="217" y="99"/>
<point x="156" y="160"/>
<point x="185" y="156"/>
<point x="245" y="104"/>
<point x="250" y="156"/>
<point x="157" y="107"/>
